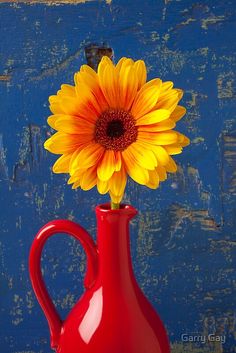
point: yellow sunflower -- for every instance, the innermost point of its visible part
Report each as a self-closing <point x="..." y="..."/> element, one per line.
<point x="113" y="123"/>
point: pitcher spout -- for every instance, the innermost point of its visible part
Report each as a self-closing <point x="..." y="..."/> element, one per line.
<point x="125" y="211"/>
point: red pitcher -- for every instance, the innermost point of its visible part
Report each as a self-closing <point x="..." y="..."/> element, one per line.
<point x="113" y="315"/>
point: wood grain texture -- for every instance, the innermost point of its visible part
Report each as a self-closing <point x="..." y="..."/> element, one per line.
<point x="183" y="240"/>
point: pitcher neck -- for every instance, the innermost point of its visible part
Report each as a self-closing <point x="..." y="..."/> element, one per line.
<point x="114" y="244"/>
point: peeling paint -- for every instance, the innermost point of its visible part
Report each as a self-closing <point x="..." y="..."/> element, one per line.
<point x="57" y="68"/>
<point x="225" y="85"/>
<point x="5" y="77"/>
<point x="3" y="161"/>
<point x="191" y="348"/>
<point x="229" y="155"/>
<point x="202" y="217"/>
<point x="17" y="310"/>
<point x="212" y="20"/>
<point x="198" y="139"/>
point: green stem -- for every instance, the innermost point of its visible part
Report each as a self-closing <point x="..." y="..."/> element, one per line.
<point x="115" y="206"/>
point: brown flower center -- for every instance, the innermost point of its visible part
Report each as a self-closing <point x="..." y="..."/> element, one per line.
<point x="115" y="129"/>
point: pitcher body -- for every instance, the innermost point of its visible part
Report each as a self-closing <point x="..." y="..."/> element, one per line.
<point x="113" y="315"/>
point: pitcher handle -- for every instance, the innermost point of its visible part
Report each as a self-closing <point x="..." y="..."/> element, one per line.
<point x="79" y="233"/>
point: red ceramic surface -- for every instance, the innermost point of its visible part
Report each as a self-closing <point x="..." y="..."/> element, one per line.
<point x="113" y="315"/>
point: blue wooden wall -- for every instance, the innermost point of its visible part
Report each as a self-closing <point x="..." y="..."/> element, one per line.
<point x="183" y="240"/>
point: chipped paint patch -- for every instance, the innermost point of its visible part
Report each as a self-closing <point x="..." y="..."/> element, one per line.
<point x="58" y="67"/>
<point x="67" y="302"/>
<point x="198" y="140"/>
<point x="229" y="165"/>
<point x="30" y="301"/>
<point x="192" y="348"/>
<point x="5" y="77"/>
<point x="149" y="225"/>
<point x="212" y="20"/>
<point x="179" y="214"/>
<point x="17" y="310"/>
<point x="193" y="100"/>
<point x="3" y="161"/>
<point x="225" y="85"/>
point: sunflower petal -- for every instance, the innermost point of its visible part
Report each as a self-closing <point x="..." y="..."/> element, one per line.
<point x="141" y="72"/>
<point x="61" y="143"/>
<point x="128" y="87"/>
<point x="124" y="63"/>
<point x="52" y="119"/>
<point x="154" y="180"/>
<point x="108" y="79"/>
<point x="81" y="107"/>
<point x="72" y="125"/>
<point x="166" y="86"/>
<point x="76" y="184"/>
<point x="76" y="175"/>
<point x="55" y="106"/>
<point x="161" y="172"/>
<point x="86" y="97"/>
<point x="137" y="173"/>
<point x="67" y="90"/>
<point x="88" y="179"/>
<point x="74" y="156"/>
<point x="118" y="161"/>
<point x="162" y="126"/>
<point x="142" y="156"/>
<point x="171" y="167"/>
<point x="102" y="186"/>
<point x="182" y="139"/>
<point x="180" y="93"/>
<point x="115" y="198"/>
<point x="158" y="138"/>
<point x="106" y="166"/>
<point x="88" y="70"/>
<point x="87" y="157"/>
<point x="86" y="81"/>
<point x="146" y="98"/>
<point x="173" y="149"/>
<point x="161" y="154"/>
<point x="69" y="105"/>
<point x="62" y="164"/>
<point x="153" y="117"/>
<point x="178" y="113"/>
<point x="168" y="101"/>
<point x="118" y="181"/>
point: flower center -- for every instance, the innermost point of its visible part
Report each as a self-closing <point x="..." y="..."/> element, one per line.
<point x="115" y="129"/>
